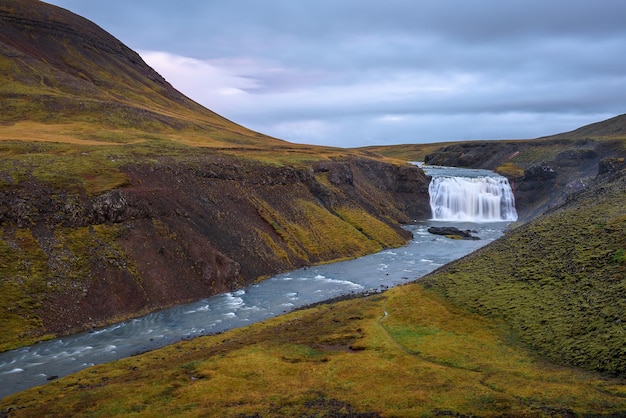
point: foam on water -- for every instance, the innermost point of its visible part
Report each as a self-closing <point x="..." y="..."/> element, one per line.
<point x="480" y="199"/>
<point x="25" y="367"/>
<point x="347" y="283"/>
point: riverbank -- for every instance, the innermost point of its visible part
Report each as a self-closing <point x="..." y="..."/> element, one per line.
<point x="405" y="352"/>
<point x="31" y="366"/>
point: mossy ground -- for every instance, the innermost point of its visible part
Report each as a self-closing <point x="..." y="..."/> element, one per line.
<point x="560" y="281"/>
<point x="29" y="274"/>
<point x="403" y="353"/>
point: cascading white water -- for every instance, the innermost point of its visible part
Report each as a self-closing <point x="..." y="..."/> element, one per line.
<point x="472" y="199"/>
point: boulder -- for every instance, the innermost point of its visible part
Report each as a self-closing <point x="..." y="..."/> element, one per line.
<point x="611" y="165"/>
<point x="452" y="232"/>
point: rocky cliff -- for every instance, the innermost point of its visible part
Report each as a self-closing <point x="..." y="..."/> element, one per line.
<point x="180" y="229"/>
<point x="542" y="172"/>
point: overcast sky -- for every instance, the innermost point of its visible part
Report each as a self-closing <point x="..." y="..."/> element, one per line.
<point x="371" y="72"/>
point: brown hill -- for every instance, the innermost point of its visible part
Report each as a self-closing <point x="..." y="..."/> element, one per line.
<point x="611" y="128"/>
<point x="59" y="68"/>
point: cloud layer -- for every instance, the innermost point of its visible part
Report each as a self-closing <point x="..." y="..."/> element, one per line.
<point x="363" y="72"/>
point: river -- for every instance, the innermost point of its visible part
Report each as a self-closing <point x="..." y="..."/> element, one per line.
<point x="35" y="365"/>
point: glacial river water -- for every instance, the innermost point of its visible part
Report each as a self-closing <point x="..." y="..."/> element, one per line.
<point x="36" y="365"/>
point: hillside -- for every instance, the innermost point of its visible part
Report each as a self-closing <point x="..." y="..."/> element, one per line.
<point x="613" y="128"/>
<point x="558" y="281"/>
<point x="61" y="69"/>
<point x="479" y="337"/>
<point x="119" y="195"/>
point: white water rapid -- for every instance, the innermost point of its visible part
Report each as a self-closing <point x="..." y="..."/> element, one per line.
<point x="471" y="196"/>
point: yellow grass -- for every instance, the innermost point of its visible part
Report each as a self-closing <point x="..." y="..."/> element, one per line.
<point x="41" y="132"/>
<point x="406" y="353"/>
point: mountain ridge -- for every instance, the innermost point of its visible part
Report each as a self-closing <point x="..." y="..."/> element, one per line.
<point x="62" y="68"/>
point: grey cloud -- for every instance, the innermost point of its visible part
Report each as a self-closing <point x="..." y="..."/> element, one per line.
<point x="533" y="67"/>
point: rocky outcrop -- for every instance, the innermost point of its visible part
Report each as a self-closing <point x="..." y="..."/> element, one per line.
<point x="539" y="172"/>
<point x="452" y="232"/>
<point x="184" y="229"/>
<point x="611" y="165"/>
<point x="552" y="167"/>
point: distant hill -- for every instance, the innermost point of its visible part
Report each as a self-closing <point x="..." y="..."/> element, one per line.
<point x="613" y="128"/>
<point x="60" y="68"/>
<point x="610" y="129"/>
<point x="543" y="171"/>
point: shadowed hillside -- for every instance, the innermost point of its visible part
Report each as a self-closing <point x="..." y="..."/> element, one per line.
<point x="119" y="195"/>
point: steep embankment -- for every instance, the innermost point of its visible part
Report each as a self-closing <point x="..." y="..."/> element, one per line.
<point x="177" y="227"/>
<point x="119" y="195"/>
<point x="559" y="281"/>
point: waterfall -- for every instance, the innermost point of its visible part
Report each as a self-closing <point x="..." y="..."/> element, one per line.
<point x="472" y="199"/>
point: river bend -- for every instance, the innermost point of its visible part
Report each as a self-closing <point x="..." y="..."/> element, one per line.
<point x="35" y="365"/>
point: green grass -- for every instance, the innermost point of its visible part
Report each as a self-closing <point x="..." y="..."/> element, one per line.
<point x="369" y="226"/>
<point x="62" y="166"/>
<point x="510" y="170"/>
<point x="314" y="233"/>
<point x="36" y="267"/>
<point x="558" y="281"/>
<point x="21" y="284"/>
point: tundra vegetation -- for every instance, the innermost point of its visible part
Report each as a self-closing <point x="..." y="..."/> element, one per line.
<point x="113" y="185"/>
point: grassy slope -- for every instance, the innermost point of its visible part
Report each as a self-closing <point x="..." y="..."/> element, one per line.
<point x="559" y="281"/>
<point x="613" y="128"/>
<point x="404" y="353"/>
